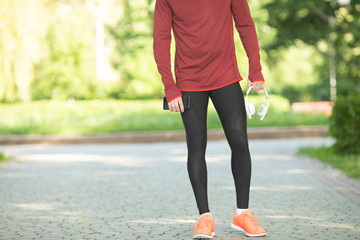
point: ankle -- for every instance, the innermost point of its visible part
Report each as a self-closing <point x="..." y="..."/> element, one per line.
<point x="240" y="210"/>
<point x="207" y="213"/>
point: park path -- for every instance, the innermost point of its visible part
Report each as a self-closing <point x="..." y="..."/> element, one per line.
<point x="142" y="191"/>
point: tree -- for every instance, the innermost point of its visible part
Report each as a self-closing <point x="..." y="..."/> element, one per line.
<point x="318" y="23"/>
<point x="133" y="55"/>
<point x="66" y="68"/>
<point x="46" y="50"/>
<point x="21" y="26"/>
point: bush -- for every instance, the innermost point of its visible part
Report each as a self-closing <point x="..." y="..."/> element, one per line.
<point x="3" y="157"/>
<point x="66" y="68"/>
<point x="345" y="124"/>
<point x="277" y="104"/>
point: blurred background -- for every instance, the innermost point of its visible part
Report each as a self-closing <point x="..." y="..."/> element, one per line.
<point x="87" y="66"/>
<point x="88" y="49"/>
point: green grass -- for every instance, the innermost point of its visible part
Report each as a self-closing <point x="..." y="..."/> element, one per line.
<point x="349" y="164"/>
<point x="3" y="157"/>
<point x="103" y="116"/>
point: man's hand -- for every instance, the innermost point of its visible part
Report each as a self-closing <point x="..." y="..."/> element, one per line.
<point x="256" y="85"/>
<point x="176" y="105"/>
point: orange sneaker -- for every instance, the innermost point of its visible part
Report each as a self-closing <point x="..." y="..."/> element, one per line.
<point x="205" y="227"/>
<point x="248" y="224"/>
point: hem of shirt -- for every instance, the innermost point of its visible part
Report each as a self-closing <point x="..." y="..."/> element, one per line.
<point x="209" y="89"/>
<point x="174" y="98"/>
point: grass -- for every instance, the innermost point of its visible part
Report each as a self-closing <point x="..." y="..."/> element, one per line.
<point x="3" y="158"/>
<point x="349" y="164"/>
<point x="103" y="116"/>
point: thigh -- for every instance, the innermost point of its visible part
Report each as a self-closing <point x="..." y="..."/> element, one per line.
<point x="229" y="104"/>
<point x="194" y="118"/>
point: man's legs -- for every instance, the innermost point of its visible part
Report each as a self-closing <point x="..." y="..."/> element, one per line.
<point x="229" y="103"/>
<point x="194" y="120"/>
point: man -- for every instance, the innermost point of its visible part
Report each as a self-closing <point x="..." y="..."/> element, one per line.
<point x="206" y="67"/>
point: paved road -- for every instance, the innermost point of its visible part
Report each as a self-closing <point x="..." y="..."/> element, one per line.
<point x="142" y="191"/>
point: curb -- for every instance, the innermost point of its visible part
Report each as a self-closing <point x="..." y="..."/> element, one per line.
<point x="161" y="136"/>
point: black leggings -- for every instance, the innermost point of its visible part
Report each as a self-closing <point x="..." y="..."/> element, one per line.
<point x="229" y="104"/>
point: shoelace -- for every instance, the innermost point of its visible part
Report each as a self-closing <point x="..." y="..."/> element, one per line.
<point x="202" y="222"/>
<point x="252" y="218"/>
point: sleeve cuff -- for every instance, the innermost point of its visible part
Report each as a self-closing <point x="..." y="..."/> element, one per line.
<point x="172" y="98"/>
<point x="256" y="77"/>
<point x="172" y="93"/>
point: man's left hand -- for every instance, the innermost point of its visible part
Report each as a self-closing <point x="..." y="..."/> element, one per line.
<point x="256" y="85"/>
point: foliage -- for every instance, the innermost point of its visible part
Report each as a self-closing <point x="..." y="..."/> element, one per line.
<point x="48" y="54"/>
<point x="345" y="124"/>
<point x="133" y="56"/>
<point x="277" y="104"/>
<point x="294" y="71"/>
<point x="20" y="30"/>
<point x="349" y="163"/>
<point x="3" y="157"/>
<point x="98" y="116"/>
<point x="314" y="23"/>
<point x="51" y="54"/>
<point x="66" y="69"/>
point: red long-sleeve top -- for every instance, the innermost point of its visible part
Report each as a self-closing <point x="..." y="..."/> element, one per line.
<point x="205" y="52"/>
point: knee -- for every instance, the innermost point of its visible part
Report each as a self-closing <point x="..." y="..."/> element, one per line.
<point x="196" y="135"/>
<point x="196" y="149"/>
<point x="237" y="139"/>
<point x="196" y="144"/>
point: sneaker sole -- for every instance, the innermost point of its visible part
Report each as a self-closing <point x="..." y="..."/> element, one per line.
<point x="247" y="234"/>
<point x="199" y="236"/>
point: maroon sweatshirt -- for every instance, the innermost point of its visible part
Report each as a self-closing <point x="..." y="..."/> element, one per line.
<point x="205" y="52"/>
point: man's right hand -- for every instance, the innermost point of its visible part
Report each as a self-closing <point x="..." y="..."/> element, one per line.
<point x="176" y="105"/>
